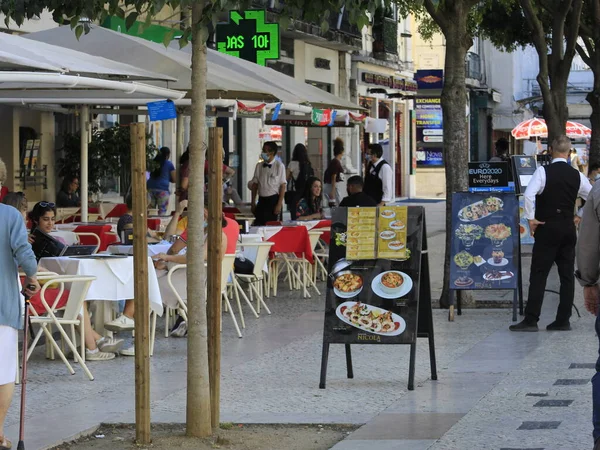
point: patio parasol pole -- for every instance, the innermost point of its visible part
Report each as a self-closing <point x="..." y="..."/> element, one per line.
<point x="84" y="115"/>
<point x="214" y="258"/>
<point x="140" y="280"/>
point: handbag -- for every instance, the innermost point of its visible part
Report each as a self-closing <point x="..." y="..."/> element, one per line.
<point x="243" y="266"/>
<point x="291" y="194"/>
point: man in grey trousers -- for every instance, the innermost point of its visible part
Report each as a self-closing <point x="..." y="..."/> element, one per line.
<point x="15" y="251"/>
<point x="588" y="273"/>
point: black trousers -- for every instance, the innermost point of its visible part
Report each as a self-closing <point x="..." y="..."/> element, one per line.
<point x="265" y="210"/>
<point x="554" y="243"/>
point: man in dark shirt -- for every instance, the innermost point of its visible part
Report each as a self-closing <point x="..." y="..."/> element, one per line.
<point x="356" y="196"/>
<point x="67" y="196"/>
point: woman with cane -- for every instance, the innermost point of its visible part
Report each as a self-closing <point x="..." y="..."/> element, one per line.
<point x="15" y="251"/>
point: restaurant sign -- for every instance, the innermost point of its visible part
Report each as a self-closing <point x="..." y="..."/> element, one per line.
<point x="488" y="177"/>
<point x="401" y="84"/>
<point x="322" y="117"/>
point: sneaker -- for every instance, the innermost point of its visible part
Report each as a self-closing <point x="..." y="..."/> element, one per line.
<point x="559" y="326"/>
<point x="121" y="323"/>
<point x="130" y="351"/>
<point x="181" y="330"/>
<point x="109" y="345"/>
<point x="524" y="326"/>
<point x="98" y="355"/>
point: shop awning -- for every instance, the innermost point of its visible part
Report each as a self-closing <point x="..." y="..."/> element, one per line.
<point x="228" y="77"/>
<point x="20" y="54"/>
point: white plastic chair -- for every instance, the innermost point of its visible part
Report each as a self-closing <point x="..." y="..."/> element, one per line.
<point x="79" y="286"/>
<point x="255" y="281"/>
<point x="226" y="271"/>
<point x="181" y="305"/>
<point x="92" y="235"/>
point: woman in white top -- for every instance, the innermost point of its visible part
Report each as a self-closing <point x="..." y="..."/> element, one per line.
<point x="298" y="171"/>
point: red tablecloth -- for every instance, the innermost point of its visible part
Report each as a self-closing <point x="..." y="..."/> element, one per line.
<point x="154" y="224"/>
<point x="292" y="240"/>
<point x="50" y="295"/>
<point x="119" y="210"/>
<point x="326" y="236"/>
<point x="231" y="209"/>
<point x="101" y="231"/>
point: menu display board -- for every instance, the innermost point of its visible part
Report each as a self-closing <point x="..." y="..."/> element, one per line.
<point x="485" y="246"/>
<point x="523" y="167"/>
<point x="524" y="230"/>
<point x="373" y="287"/>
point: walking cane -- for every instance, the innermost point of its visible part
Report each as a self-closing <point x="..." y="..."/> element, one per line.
<point x="21" y="444"/>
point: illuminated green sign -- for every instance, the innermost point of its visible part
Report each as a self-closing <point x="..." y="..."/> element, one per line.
<point x="247" y="36"/>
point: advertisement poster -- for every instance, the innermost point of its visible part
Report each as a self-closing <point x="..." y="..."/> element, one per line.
<point x="484" y="241"/>
<point x="524" y="168"/>
<point x="374" y="266"/>
<point x="430" y="131"/>
<point x="487" y="176"/>
<point x="525" y="232"/>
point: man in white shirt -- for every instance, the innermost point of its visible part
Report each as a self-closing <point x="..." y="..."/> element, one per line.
<point x="379" y="177"/>
<point x="269" y="184"/>
<point x="550" y="208"/>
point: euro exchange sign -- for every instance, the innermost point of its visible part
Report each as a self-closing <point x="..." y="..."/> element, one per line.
<point x="247" y="36"/>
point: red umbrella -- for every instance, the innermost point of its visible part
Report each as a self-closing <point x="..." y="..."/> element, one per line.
<point x="536" y="127"/>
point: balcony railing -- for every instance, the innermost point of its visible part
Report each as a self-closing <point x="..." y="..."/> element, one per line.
<point x="473" y="66"/>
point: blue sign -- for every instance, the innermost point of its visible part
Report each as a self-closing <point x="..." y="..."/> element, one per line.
<point x="163" y="110"/>
<point x="430" y="132"/>
<point x="430" y="79"/>
<point x="492" y="189"/>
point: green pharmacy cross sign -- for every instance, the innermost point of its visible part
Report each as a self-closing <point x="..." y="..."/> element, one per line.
<point x="247" y="36"/>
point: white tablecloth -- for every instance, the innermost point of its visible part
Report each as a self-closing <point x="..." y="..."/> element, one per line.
<point x="265" y="232"/>
<point x="114" y="278"/>
<point x="153" y="249"/>
<point x="72" y="226"/>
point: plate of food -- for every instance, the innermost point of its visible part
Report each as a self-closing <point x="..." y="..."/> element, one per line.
<point x="522" y="230"/>
<point x="396" y="245"/>
<point x="463" y="260"/>
<point x="462" y="282"/>
<point x="497" y="259"/>
<point x="498" y="275"/>
<point x="371" y="319"/>
<point x="497" y="233"/>
<point x="478" y="260"/>
<point x="388" y="214"/>
<point x="468" y="233"/>
<point x="347" y="284"/>
<point x="391" y="284"/>
<point x="397" y="225"/>
<point x="481" y="209"/>
<point x="387" y="235"/>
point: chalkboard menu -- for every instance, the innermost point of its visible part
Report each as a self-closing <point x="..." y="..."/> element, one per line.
<point x="374" y="265"/>
<point x="488" y="176"/>
<point x="523" y="167"/>
<point x="485" y="241"/>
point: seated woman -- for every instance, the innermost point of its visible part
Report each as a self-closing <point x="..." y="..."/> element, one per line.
<point x="310" y="206"/>
<point x="98" y="348"/>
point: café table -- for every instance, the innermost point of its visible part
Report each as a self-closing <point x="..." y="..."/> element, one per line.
<point x="114" y="281"/>
<point x="72" y="226"/>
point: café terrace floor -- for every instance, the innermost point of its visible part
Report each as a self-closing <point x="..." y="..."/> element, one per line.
<point x="496" y="389"/>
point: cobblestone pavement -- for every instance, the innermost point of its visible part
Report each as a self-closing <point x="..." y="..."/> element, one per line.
<point x="480" y="401"/>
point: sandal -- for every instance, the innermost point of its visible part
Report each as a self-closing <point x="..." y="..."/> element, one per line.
<point x="5" y="444"/>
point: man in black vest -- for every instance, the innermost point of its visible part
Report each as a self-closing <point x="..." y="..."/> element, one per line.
<point x="378" y="177"/>
<point x="550" y="208"/>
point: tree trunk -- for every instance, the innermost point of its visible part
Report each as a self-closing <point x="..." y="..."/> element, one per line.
<point x="454" y="104"/>
<point x="557" y="112"/>
<point x="593" y="99"/>
<point x="198" y="420"/>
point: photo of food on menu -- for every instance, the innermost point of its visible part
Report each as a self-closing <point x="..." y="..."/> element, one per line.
<point x="372" y="291"/>
<point x="484" y="241"/>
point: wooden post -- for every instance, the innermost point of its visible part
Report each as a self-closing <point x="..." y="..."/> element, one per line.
<point x="140" y="280"/>
<point x="215" y="212"/>
<point x="84" y="118"/>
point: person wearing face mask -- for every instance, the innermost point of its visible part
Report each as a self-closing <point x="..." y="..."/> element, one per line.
<point x="269" y="184"/>
<point x="378" y="178"/>
<point x="594" y="172"/>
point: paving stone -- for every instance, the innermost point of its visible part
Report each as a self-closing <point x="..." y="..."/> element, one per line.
<point x="551" y="425"/>
<point x="571" y="382"/>
<point x="582" y="366"/>
<point x="534" y="394"/>
<point x="521" y="448"/>
<point x="551" y="403"/>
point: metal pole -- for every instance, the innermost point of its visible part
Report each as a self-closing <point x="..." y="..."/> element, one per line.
<point x="83" y="179"/>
